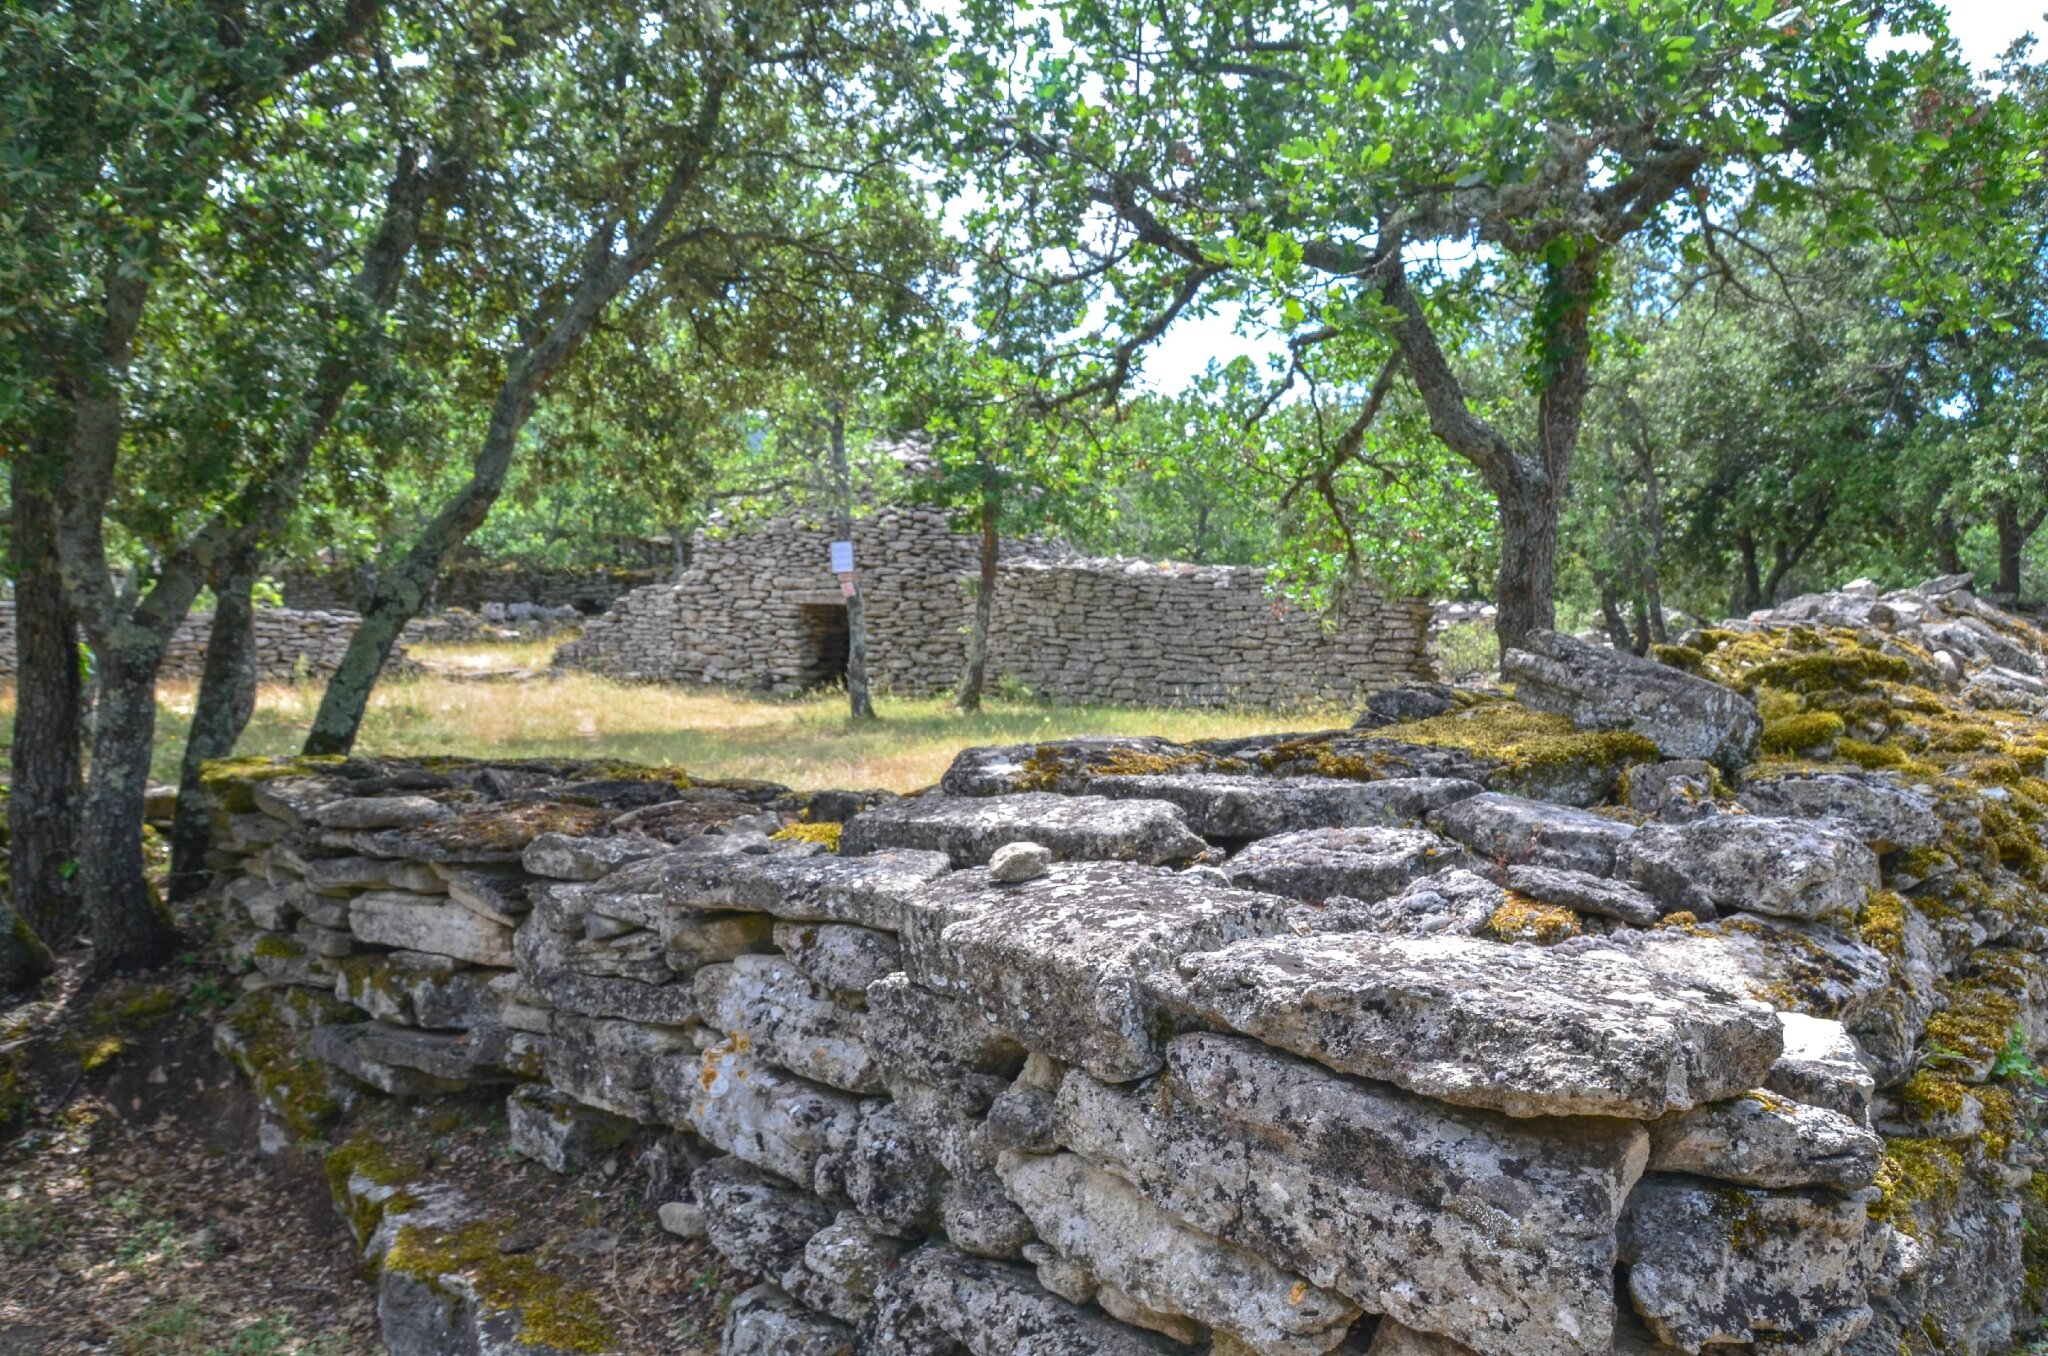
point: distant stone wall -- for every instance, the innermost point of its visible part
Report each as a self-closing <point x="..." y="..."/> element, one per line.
<point x="472" y="584"/>
<point x="288" y="643"/>
<point x="1189" y="635"/>
<point x="761" y="610"/>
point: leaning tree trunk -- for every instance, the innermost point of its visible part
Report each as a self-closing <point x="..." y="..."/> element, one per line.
<point x="984" y="610"/>
<point x="130" y="926"/>
<point x="42" y="811"/>
<point x="402" y="591"/>
<point x="227" y="698"/>
<point x="23" y="957"/>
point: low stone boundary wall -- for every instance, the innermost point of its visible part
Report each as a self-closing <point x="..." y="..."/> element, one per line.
<point x="1338" y="1041"/>
<point x="1192" y="635"/>
<point x="289" y="644"/>
<point x="475" y="584"/>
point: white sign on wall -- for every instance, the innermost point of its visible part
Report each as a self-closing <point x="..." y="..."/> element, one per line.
<point x="842" y="557"/>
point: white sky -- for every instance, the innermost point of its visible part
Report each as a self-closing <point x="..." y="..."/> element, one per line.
<point x="1984" y="28"/>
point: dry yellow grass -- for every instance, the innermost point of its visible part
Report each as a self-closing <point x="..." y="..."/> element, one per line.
<point x="805" y="743"/>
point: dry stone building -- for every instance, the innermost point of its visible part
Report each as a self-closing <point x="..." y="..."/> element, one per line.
<point x="762" y="610"/>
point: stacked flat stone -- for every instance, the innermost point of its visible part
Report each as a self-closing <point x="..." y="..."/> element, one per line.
<point x="1234" y="1057"/>
<point x="289" y="644"/>
<point x="475" y="584"/>
<point x="1077" y="629"/>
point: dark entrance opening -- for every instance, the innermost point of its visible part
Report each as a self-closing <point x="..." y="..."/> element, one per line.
<point x="822" y="629"/>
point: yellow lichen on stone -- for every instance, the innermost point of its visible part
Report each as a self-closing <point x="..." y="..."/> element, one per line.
<point x="1125" y="762"/>
<point x="826" y="833"/>
<point x="1521" y="919"/>
<point x="1882" y="922"/>
<point x="1522" y="740"/>
<point x="1798" y="734"/>
<point x="1915" y="1173"/>
<point x="550" y="1312"/>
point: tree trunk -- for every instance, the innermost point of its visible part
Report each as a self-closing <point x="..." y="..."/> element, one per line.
<point x="1528" y="560"/>
<point x="402" y="591"/>
<point x="23" y="957"/>
<point x="1610" y="616"/>
<point x="603" y="273"/>
<point x="860" y="705"/>
<point x="976" y="677"/>
<point x="679" y="541"/>
<point x="1947" y="554"/>
<point x="2015" y="530"/>
<point x="42" y="810"/>
<point x="130" y="926"/>
<point x="227" y="698"/>
<point x="1751" y="594"/>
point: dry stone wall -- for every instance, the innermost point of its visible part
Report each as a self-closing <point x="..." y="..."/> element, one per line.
<point x="761" y="610"/>
<point x="1478" y="1029"/>
<point x="473" y="584"/>
<point x="289" y="643"/>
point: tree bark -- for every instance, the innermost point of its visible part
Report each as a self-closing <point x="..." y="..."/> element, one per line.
<point x="859" y="703"/>
<point x="1524" y="591"/>
<point x="1947" y="554"/>
<point x="227" y="698"/>
<point x="23" y="957"/>
<point x="1749" y="589"/>
<point x="43" y="806"/>
<point x="130" y="926"/>
<point x="976" y="677"/>
<point x="2015" y="530"/>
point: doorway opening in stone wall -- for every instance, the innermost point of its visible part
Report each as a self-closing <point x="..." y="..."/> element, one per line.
<point x="822" y="630"/>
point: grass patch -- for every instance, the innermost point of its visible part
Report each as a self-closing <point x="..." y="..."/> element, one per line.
<point x="806" y="743"/>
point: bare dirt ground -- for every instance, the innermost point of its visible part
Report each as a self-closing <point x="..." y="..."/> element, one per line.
<point x="138" y="1215"/>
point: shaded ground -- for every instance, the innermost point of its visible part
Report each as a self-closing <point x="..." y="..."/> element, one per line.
<point x="138" y="1215"/>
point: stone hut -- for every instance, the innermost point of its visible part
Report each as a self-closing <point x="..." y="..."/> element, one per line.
<point x="762" y="610"/>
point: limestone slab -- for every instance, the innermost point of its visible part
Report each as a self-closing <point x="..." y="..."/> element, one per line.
<point x="1729" y="1264"/>
<point x="789" y="1021"/>
<point x="1061" y="960"/>
<point x="1452" y="1221"/>
<point x="1872" y="805"/>
<point x="1514" y="830"/>
<point x="764" y="1321"/>
<point x="1600" y="688"/>
<point x="1787" y="868"/>
<point x="1102" y="1222"/>
<point x="969" y="829"/>
<point x="755" y="1112"/>
<point x="415" y="924"/>
<point x="1222" y="805"/>
<point x="839" y="956"/>
<point x="1764" y="1140"/>
<point x="990" y="1308"/>
<point x="1359" y="863"/>
<point x="1525" y="1030"/>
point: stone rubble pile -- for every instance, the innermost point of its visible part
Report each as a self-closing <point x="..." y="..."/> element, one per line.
<point x="1494" y="1030"/>
<point x="758" y="609"/>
